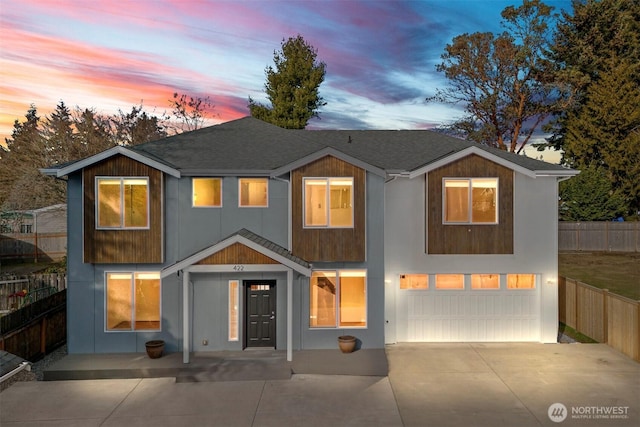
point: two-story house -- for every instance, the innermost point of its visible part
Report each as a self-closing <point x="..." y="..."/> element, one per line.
<point x="248" y="235"/>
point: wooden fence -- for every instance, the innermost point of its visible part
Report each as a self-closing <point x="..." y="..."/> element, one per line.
<point x="605" y="317"/>
<point x="599" y="236"/>
<point x="36" y="329"/>
<point x="37" y="286"/>
<point x="33" y="246"/>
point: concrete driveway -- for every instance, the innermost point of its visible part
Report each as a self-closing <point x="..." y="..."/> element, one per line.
<point x="428" y="385"/>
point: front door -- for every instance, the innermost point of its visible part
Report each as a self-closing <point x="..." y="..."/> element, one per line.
<point x="260" y="302"/>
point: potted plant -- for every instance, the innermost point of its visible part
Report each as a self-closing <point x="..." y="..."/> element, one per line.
<point x="154" y="348"/>
<point x="347" y="343"/>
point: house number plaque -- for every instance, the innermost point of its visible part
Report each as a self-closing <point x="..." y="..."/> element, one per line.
<point x="238" y="267"/>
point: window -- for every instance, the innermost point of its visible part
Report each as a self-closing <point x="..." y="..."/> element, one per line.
<point x="207" y="192"/>
<point x="449" y="281"/>
<point x="233" y="309"/>
<point x="133" y="302"/>
<point x="328" y="202"/>
<point x="253" y="192"/>
<point x="414" y="281"/>
<point x="122" y="202"/>
<point x="485" y="281"/>
<point x="470" y="201"/>
<point x="26" y="228"/>
<point x="338" y="299"/>
<point x="521" y="281"/>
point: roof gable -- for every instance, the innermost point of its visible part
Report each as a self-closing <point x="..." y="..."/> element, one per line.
<point x="134" y="155"/>
<point x="251" y="240"/>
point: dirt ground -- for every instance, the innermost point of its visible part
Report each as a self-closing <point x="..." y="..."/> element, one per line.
<point x="616" y="271"/>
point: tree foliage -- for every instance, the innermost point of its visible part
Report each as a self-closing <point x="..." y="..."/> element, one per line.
<point x="60" y="137"/>
<point x="292" y="87"/>
<point x="502" y="80"/>
<point x="597" y="54"/>
<point x="590" y="197"/>
<point x="190" y="112"/>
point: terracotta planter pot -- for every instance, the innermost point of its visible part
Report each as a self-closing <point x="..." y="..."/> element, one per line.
<point x="347" y="343"/>
<point x="154" y="348"/>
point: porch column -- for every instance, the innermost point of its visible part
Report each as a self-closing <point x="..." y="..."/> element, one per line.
<point x="185" y="317"/>
<point x="289" y="315"/>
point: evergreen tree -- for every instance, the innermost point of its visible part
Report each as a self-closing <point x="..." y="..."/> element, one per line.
<point x="597" y="53"/>
<point x="292" y="87"/>
<point x="589" y="197"/>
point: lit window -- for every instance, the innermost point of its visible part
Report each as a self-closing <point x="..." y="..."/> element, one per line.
<point x="253" y="192"/>
<point x="122" y="202"/>
<point x="207" y="192"/>
<point x="133" y="301"/>
<point x="414" y="281"/>
<point x="449" y="281"/>
<point x="328" y="202"/>
<point x="338" y="299"/>
<point x="521" y="281"/>
<point x="471" y="201"/>
<point x="233" y="310"/>
<point x="485" y="281"/>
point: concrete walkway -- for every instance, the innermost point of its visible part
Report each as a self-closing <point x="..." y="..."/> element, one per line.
<point x="428" y="385"/>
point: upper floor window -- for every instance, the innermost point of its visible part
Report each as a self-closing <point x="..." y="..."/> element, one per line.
<point x="328" y="202"/>
<point x="254" y="192"/>
<point x="207" y="192"/>
<point x="470" y="200"/>
<point x="122" y="202"/>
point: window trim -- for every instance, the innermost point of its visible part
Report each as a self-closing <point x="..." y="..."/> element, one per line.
<point x="121" y="179"/>
<point x="470" y="200"/>
<point x="193" y="188"/>
<point x="338" y="298"/>
<point x="133" y="306"/>
<point x="328" y="202"/>
<point x="240" y="205"/>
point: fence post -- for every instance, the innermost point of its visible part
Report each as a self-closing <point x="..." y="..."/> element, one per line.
<point x="605" y="315"/>
<point x="43" y="335"/>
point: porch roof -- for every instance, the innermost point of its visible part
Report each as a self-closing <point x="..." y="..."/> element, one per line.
<point x="251" y="240"/>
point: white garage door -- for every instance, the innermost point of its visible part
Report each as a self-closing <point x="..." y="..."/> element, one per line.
<point x="473" y="315"/>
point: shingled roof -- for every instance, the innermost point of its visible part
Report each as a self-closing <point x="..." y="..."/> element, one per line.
<point x="251" y="146"/>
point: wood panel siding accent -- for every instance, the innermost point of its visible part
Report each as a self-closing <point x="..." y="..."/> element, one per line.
<point x="123" y="246"/>
<point x="237" y="254"/>
<point x="470" y="238"/>
<point x="329" y="244"/>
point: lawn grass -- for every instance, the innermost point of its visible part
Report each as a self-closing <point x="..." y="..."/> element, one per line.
<point x="616" y="271"/>
<point x="579" y="337"/>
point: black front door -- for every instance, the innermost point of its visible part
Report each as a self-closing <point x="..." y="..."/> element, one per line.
<point x="260" y="303"/>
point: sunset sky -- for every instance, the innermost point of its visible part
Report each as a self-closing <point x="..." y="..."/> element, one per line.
<point x="114" y="54"/>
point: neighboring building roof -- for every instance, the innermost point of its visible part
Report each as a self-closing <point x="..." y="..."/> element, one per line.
<point x="10" y="364"/>
<point x="249" y="146"/>
<point x="250" y="239"/>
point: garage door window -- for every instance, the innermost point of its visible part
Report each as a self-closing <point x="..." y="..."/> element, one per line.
<point x="414" y="281"/>
<point x="521" y="281"/>
<point x="449" y="281"/>
<point x="485" y="281"/>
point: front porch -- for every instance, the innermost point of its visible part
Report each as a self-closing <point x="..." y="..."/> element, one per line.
<point x="248" y="365"/>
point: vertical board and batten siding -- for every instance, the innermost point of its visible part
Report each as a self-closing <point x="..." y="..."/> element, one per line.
<point x="601" y="315"/>
<point x="237" y="254"/>
<point x="445" y="316"/>
<point x="329" y="244"/>
<point x="123" y="246"/>
<point x="599" y="236"/>
<point x="470" y="238"/>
